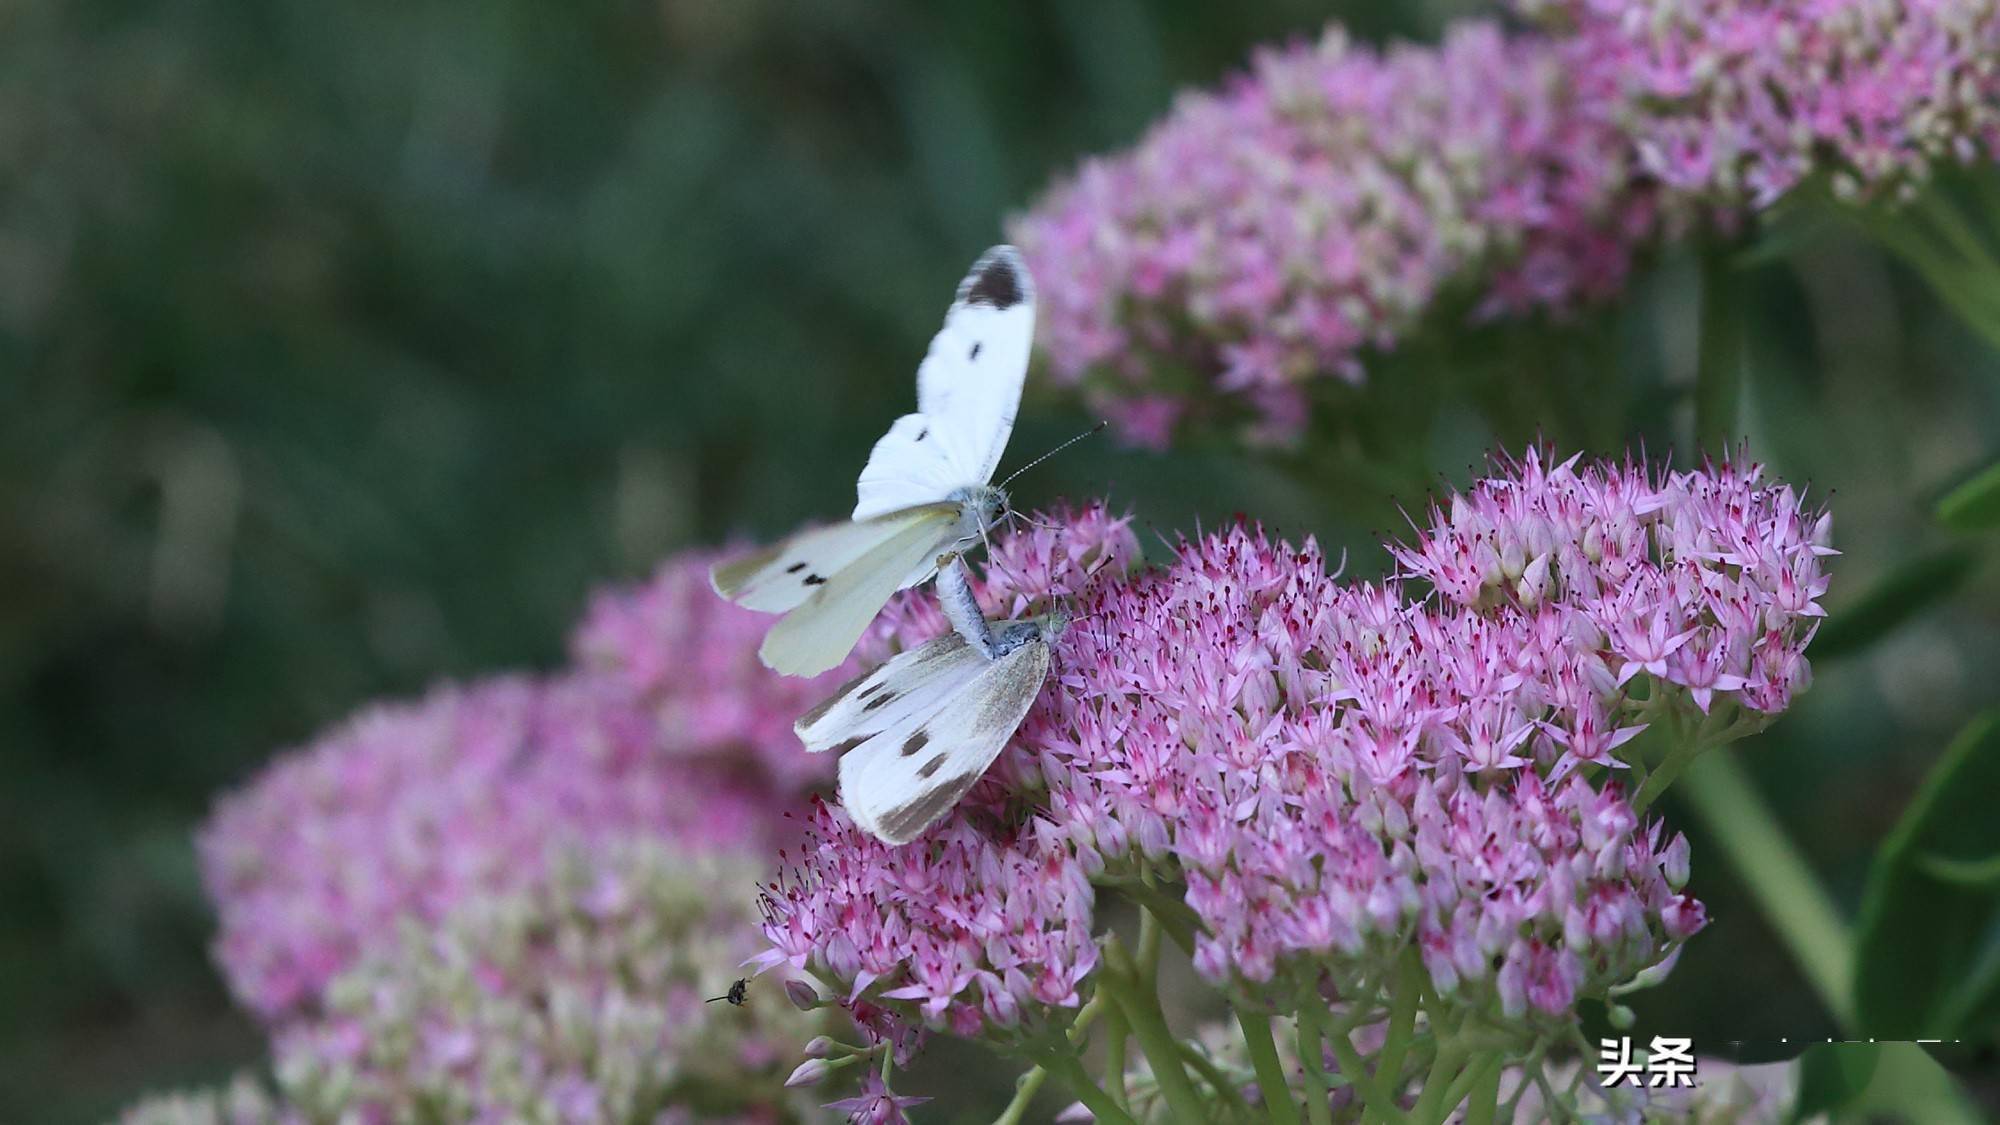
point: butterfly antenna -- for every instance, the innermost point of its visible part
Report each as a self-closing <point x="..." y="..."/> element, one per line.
<point x="1099" y="428"/>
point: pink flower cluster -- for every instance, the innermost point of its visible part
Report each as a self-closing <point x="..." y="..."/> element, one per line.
<point x="581" y="995"/>
<point x="407" y="810"/>
<point x="990" y="916"/>
<point x="1315" y="212"/>
<point x="1320" y="206"/>
<point x="1740" y="100"/>
<point x="1336" y="772"/>
<point x="1709" y="581"/>
<point x="968" y="929"/>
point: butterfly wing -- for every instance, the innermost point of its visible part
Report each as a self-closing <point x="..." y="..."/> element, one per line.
<point x="908" y="688"/>
<point x="820" y="631"/>
<point x="968" y="390"/>
<point x="778" y="579"/>
<point x="900" y="781"/>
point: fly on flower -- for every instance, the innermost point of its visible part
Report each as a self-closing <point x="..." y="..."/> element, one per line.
<point x="925" y="492"/>
<point x="927" y="724"/>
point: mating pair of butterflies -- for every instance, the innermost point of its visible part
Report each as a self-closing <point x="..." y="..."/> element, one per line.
<point x="924" y="726"/>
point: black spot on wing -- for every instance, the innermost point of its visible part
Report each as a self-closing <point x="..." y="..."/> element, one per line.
<point x="871" y="689"/>
<point x="924" y="433"/>
<point x="930" y="767"/>
<point x="974" y="353"/>
<point x="795" y="568"/>
<point x="814" y="580"/>
<point x="915" y="743"/>
<point x="879" y="701"/>
<point x="995" y="282"/>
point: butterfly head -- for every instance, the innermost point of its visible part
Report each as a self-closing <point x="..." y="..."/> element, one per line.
<point x="980" y="508"/>
<point x="1054" y="622"/>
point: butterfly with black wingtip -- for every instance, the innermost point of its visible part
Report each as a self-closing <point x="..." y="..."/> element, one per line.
<point x="925" y="491"/>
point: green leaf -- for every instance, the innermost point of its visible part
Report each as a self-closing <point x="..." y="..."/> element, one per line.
<point x="1929" y="939"/>
<point x="1974" y="505"/>
<point x="1964" y="872"/>
<point x="1832" y="1076"/>
<point x="1894" y="599"/>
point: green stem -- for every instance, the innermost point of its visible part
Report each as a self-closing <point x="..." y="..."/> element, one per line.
<point x="1778" y="876"/>
<point x="1115" y="1032"/>
<point x="1314" y="1066"/>
<point x="1485" y="1095"/>
<point x="1474" y="1076"/>
<point x="1380" y="1102"/>
<point x="1066" y="1067"/>
<point x="1443" y="1078"/>
<point x="1121" y="980"/>
<point x="1149" y="951"/>
<point x="1409" y="990"/>
<point x="1025" y="1089"/>
<point x="1225" y="1088"/>
<point x="1956" y="230"/>
<point x="1961" y="282"/>
<point x="1029" y="1084"/>
<point x="1278" y="1104"/>
<point x="1668" y="771"/>
<point x="1719" y="372"/>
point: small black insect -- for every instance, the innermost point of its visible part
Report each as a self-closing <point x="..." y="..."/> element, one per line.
<point x="738" y="994"/>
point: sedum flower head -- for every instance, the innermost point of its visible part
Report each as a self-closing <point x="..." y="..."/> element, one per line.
<point x="407" y="810"/>
<point x="1313" y="214"/>
<point x="1333" y="776"/>
<point x="1740" y="100"/>
<point x="1320" y="206"/>
<point x="579" y="996"/>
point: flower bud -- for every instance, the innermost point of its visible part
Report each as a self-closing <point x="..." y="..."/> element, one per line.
<point x="1683" y="916"/>
<point x="1674" y="861"/>
<point x="809" y="1073"/>
<point x="802" y="995"/>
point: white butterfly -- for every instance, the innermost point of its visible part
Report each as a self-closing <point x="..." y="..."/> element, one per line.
<point x="925" y="492"/>
<point x="925" y="725"/>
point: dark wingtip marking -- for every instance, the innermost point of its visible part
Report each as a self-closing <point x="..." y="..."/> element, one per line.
<point x="996" y="284"/>
<point x="827" y="704"/>
<point x="815" y="580"/>
<point x="916" y="742"/>
<point x="901" y="824"/>
<point x="930" y="767"/>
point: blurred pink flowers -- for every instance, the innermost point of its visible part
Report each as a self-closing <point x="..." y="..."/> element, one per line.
<point x="407" y="810"/>
<point x="578" y="996"/>
<point x="1318" y="207"/>
<point x="1741" y="100"/>
<point x="1312" y="214"/>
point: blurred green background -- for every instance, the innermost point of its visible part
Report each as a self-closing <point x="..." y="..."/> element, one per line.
<point x="344" y="347"/>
